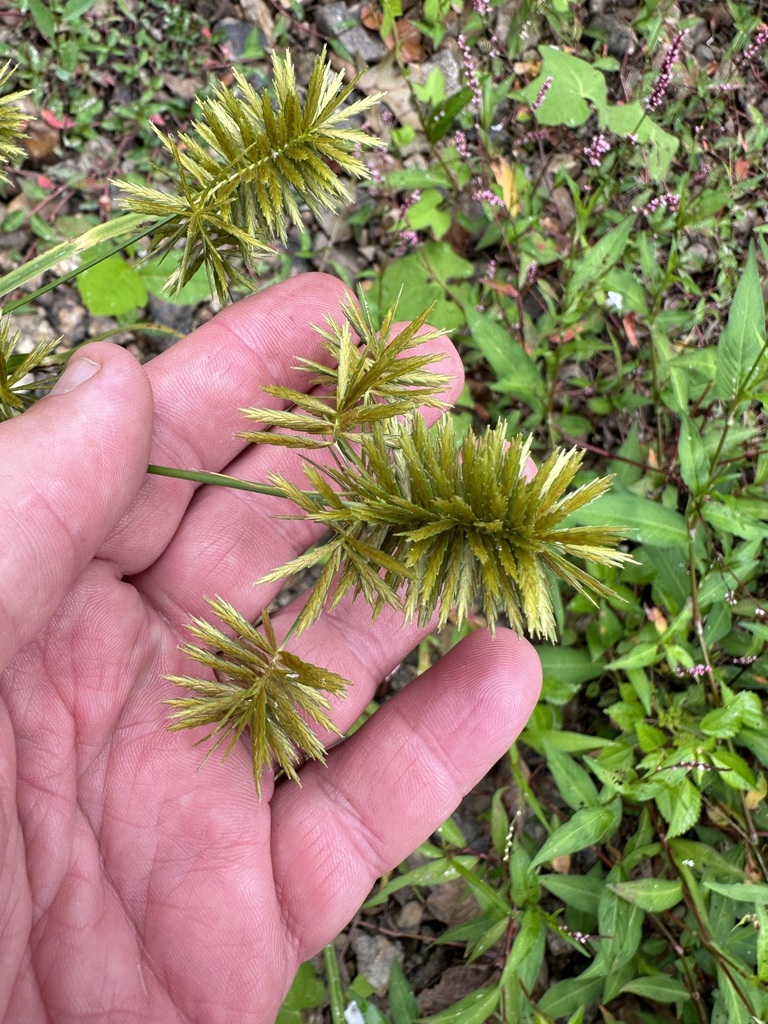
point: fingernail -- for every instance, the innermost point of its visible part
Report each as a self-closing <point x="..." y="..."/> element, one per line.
<point x="78" y="371"/>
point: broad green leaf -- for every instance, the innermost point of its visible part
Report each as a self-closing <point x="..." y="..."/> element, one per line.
<point x="425" y="214"/>
<point x="597" y="261"/>
<point x="565" y="997"/>
<point x="642" y="654"/>
<point x="574" y="81"/>
<point x="645" y="520"/>
<point x="659" y="988"/>
<point x="569" y="664"/>
<point x="632" y="119"/>
<point x="582" y="892"/>
<point x="654" y="894"/>
<point x="42" y="17"/>
<point x="111" y="287"/>
<point x="306" y="992"/>
<point x="476" y="1008"/>
<point x="688" y="853"/>
<point x="440" y="120"/>
<point x="743" y="339"/>
<point x="74" y="9"/>
<point x="740" y="892"/>
<point x="729" y="517"/>
<point x="573" y="781"/>
<point x="528" y="941"/>
<point x="516" y="373"/>
<point x="587" y="827"/>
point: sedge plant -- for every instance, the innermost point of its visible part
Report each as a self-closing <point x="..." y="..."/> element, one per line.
<point x="417" y="518"/>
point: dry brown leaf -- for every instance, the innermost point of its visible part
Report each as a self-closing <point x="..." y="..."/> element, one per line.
<point x="505" y="178"/>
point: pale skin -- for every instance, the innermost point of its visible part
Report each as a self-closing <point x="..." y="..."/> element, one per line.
<point x="134" y="887"/>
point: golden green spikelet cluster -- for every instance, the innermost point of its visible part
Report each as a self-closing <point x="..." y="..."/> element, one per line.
<point x="16" y="386"/>
<point x="424" y="522"/>
<point x="12" y="121"/>
<point x="419" y="519"/>
<point x="258" y="686"/>
<point x="245" y="166"/>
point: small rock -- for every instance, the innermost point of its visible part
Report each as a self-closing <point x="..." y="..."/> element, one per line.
<point x="258" y="12"/>
<point x="333" y="19"/>
<point x="620" y="38"/>
<point x="703" y="54"/>
<point x="237" y="33"/>
<point x="364" y="45"/>
<point x="70" y="320"/>
<point x="409" y="916"/>
<point x="32" y="329"/>
<point x="169" y="314"/>
<point x="449" y="63"/>
<point x="375" y="955"/>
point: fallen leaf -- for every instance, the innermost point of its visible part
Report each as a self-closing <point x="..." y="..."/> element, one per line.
<point x="54" y="122"/>
<point x="505" y="178"/>
<point x="371" y="17"/>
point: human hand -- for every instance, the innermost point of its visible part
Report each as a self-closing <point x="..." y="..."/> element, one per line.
<point x="132" y="886"/>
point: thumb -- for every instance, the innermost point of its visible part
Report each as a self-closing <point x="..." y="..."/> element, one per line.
<point x="69" y="467"/>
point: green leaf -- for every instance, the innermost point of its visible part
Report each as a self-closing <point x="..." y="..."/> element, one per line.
<point x="740" y="892"/>
<point x="120" y="226"/>
<point x="476" y="1008"/>
<point x="743" y="339"/>
<point x="403" y="1008"/>
<point x="680" y="804"/>
<point x="654" y="894"/>
<point x="440" y="120"/>
<point x="435" y="872"/>
<point x="587" y="827"/>
<point x="111" y="287"/>
<point x="43" y="19"/>
<point x="573" y="83"/>
<point x="659" y="988"/>
<point x="74" y="9"/>
<point x="516" y="373"/>
<point x="593" y="264"/>
<point x="565" y="997"/>
<point x="426" y="215"/>
<point x="306" y="992"/>
<point x="582" y="892"/>
<point x="574" y="782"/>
<point x="568" y="664"/>
<point x="694" y="461"/>
<point x="632" y="119"/>
<point x="645" y="520"/>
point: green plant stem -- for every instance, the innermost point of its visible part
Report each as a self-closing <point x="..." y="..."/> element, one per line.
<point x="198" y="476"/>
<point x="60" y="279"/>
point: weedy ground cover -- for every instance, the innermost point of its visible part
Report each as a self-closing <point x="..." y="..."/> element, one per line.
<point x="582" y="195"/>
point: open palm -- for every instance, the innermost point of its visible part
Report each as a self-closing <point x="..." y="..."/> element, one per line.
<point x="132" y="886"/>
